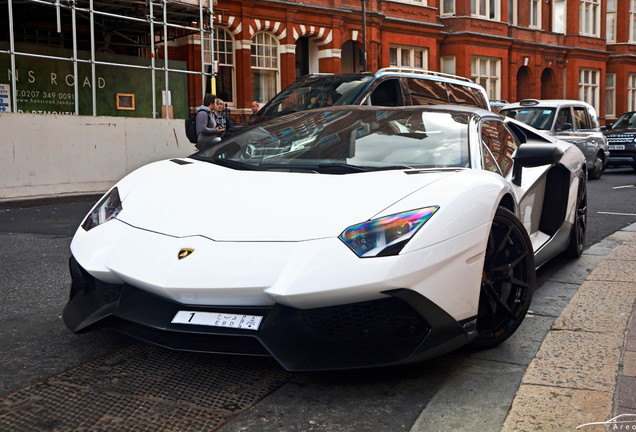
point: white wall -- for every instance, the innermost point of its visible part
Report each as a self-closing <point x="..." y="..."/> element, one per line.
<point x="44" y="155"/>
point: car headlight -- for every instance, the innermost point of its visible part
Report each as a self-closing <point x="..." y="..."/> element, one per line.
<point x="385" y="236"/>
<point x="106" y="209"/>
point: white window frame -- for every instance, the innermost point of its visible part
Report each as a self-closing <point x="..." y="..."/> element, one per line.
<point x="268" y="59"/>
<point x="589" y="86"/>
<point x="410" y="51"/>
<point x="447" y="7"/>
<point x="631" y="92"/>
<point x="487" y="72"/>
<point x="590" y="18"/>
<point x="535" y="14"/>
<point x="221" y="56"/>
<point x="490" y="11"/>
<point x="559" y="16"/>
<point x="610" y="95"/>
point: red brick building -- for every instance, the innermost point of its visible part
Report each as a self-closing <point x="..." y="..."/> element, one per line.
<point x="574" y="49"/>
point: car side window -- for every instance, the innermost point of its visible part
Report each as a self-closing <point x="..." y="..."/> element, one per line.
<point x="582" y="121"/>
<point x="500" y="144"/>
<point x="465" y="95"/>
<point x="387" y="93"/>
<point x="427" y="92"/>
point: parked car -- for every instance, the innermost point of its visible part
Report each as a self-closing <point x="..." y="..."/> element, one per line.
<point x="621" y="136"/>
<point x="334" y="238"/>
<point x="497" y="104"/>
<point x="569" y="120"/>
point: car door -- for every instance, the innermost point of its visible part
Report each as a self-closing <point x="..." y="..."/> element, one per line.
<point x="584" y="132"/>
<point x="499" y="146"/>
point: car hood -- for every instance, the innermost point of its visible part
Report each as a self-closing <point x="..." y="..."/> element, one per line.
<point x="189" y="198"/>
<point x="620" y="131"/>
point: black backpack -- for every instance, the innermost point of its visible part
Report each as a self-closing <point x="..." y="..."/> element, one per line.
<point x="191" y="129"/>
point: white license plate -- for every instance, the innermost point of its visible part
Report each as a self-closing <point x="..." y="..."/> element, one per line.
<point x="617" y="147"/>
<point x="215" y="319"/>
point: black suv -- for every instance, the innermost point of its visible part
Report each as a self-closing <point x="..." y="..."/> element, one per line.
<point x="621" y="136"/>
<point x="386" y="87"/>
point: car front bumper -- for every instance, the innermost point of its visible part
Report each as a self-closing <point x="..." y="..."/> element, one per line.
<point x="402" y="327"/>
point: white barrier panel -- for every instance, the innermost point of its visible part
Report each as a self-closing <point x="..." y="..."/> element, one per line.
<point x="45" y="155"/>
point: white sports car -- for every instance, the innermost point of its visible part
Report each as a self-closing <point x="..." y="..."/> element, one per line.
<point x="336" y="238"/>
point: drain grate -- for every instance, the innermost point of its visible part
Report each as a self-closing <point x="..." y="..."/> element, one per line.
<point x="143" y="388"/>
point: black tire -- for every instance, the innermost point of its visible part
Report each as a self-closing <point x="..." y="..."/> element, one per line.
<point x="597" y="170"/>
<point x="577" y="236"/>
<point x="507" y="283"/>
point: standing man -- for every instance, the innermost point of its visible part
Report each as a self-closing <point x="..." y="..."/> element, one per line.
<point x="207" y="129"/>
<point x="255" y="108"/>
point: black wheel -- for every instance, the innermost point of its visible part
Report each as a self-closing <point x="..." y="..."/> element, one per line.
<point x="507" y="281"/>
<point x="577" y="236"/>
<point x="597" y="169"/>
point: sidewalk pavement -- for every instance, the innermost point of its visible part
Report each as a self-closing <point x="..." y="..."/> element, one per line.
<point x="585" y="370"/>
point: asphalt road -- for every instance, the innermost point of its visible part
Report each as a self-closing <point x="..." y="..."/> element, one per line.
<point x="38" y="351"/>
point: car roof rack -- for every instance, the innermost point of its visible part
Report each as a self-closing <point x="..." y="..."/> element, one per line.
<point x="423" y="72"/>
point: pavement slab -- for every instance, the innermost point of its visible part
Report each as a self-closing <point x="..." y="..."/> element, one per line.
<point x="576" y="360"/>
<point x="542" y="408"/>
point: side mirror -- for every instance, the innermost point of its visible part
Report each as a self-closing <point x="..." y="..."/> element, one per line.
<point x="533" y="155"/>
<point x="563" y="126"/>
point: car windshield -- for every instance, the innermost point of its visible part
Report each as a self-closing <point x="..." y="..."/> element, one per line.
<point x="316" y="92"/>
<point x="625" y="121"/>
<point x="537" y="117"/>
<point x="349" y="139"/>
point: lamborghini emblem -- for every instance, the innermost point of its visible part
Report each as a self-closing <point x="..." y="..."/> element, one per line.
<point x="184" y="253"/>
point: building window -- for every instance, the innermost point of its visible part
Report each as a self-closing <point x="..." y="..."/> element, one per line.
<point x="447" y="64"/>
<point x="632" y="21"/>
<point x="486" y="71"/>
<point x="512" y="12"/>
<point x="590" y="18"/>
<point x="264" y="51"/>
<point x="408" y="57"/>
<point x="631" y="92"/>
<point x="224" y="55"/>
<point x="559" y="16"/>
<point x="535" y="13"/>
<point x="488" y="9"/>
<point x="448" y="7"/>
<point x="610" y="95"/>
<point x="589" y="86"/>
<point x="610" y="32"/>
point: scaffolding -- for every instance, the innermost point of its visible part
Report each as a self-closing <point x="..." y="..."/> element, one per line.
<point x="160" y="17"/>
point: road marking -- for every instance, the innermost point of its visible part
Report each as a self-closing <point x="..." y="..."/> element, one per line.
<point x="618" y="214"/>
<point x="625" y="187"/>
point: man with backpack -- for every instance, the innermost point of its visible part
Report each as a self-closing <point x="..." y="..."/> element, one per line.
<point x="202" y="129"/>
